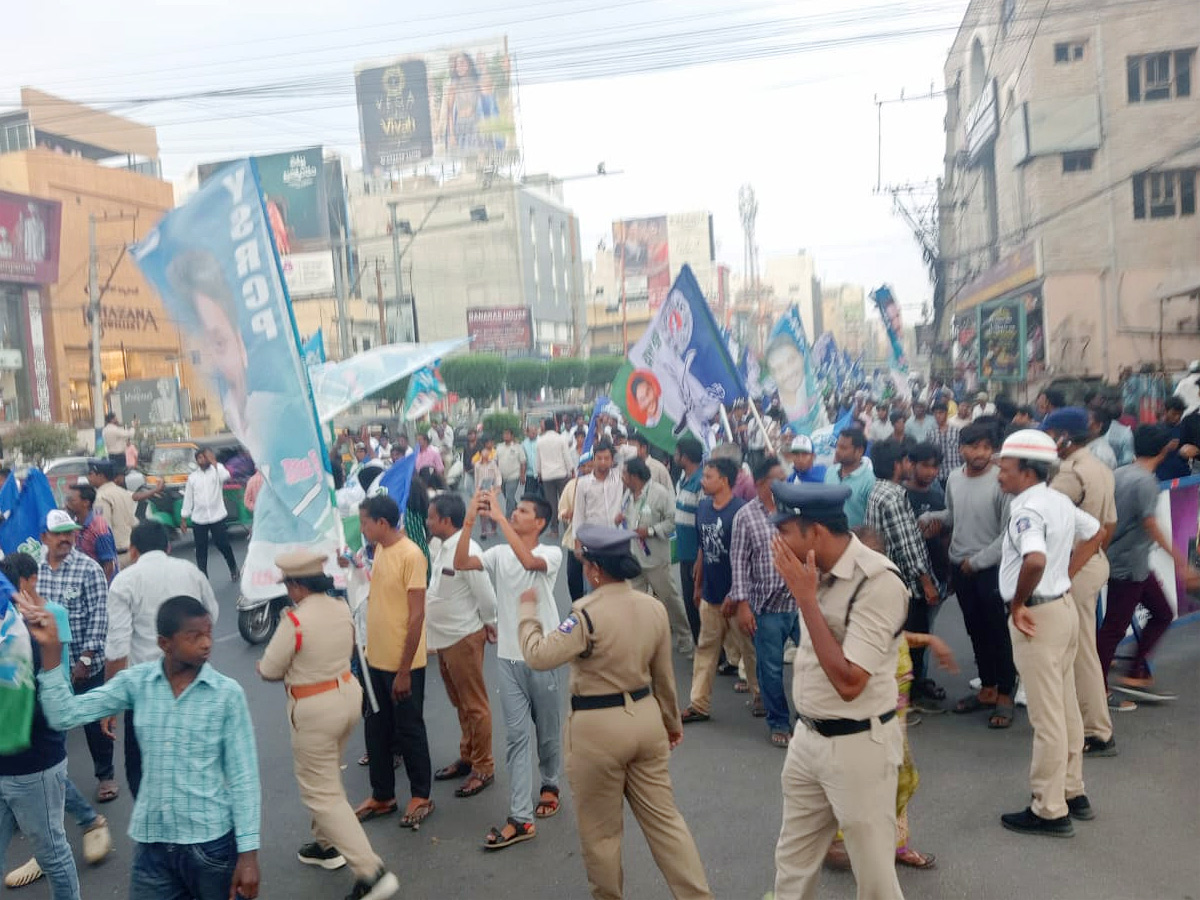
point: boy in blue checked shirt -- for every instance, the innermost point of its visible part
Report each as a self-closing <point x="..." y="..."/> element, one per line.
<point x="196" y="819"/>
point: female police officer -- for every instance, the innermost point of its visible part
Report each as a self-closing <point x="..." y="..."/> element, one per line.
<point x="310" y="653"/>
<point x="624" y="719"/>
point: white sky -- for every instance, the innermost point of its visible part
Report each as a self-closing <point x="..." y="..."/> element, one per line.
<point x="798" y="124"/>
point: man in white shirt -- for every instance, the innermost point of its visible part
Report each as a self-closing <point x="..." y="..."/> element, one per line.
<point x="511" y="458"/>
<point x="598" y="495"/>
<point x="441" y="437"/>
<point x="554" y="467"/>
<point x="1047" y="541"/>
<point x="116" y="438"/>
<point x="134" y="597"/>
<point x="460" y="621"/>
<point x="983" y="406"/>
<point x="204" y="505"/>
<point x="659" y="473"/>
<point x="531" y="700"/>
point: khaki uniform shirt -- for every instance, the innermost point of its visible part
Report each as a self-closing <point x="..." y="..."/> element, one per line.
<point x="119" y="511"/>
<point x="324" y="647"/>
<point x="1089" y="483"/>
<point x="630" y="641"/>
<point x="869" y="632"/>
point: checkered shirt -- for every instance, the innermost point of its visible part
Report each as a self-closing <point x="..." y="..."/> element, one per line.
<point x="201" y="765"/>
<point x="755" y="579"/>
<point x="80" y="586"/>
<point x="890" y="515"/>
<point x="947" y="442"/>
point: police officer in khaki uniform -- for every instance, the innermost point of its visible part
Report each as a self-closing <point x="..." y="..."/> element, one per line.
<point x="624" y="720"/>
<point x="1046" y="538"/>
<point x="1088" y="483"/>
<point x="310" y="653"/>
<point x="844" y="758"/>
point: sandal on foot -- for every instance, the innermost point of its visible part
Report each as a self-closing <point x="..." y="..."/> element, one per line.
<point x="474" y="784"/>
<point x="927" y="687"/>
<point x="416" y="816"/>
<point x="458" y="769"/>
<point x="23" y="875"/>
<point x="758" y="709"/>
<point x="780" y="739"/>
<point x="741" y="686"/>
<point x="914" y="860"/>
<point x="692" y="715"/>
<point x="365" y="759"/>
<point x="547" y="808"/>
<point x="1002" y="716"/>
<point x="374" y="809"/>
<point x="971" y="703"/>
<point x="522" y="831"/>
<point x="108" y="791"/>
<point x="837" y="858"/>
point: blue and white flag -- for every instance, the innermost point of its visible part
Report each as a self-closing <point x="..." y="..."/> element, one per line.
<point x="597" y="410"/>
<point x="23" y="509"/>
<point x="789" y="362"/>
<point x="425" y="390"/>
<point x="680" y="373"/>
<point x="314" y="349"/>
<point x="893" y="323"/>
<point x="397" y="480"/>
<point x="215" y="265"/>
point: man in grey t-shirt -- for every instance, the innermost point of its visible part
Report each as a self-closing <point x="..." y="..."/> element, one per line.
<point x="1130" y="581"/>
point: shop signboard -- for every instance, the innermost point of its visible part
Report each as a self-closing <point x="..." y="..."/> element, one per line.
<point x="29" y="232"/>
<point x="500" y="328"/>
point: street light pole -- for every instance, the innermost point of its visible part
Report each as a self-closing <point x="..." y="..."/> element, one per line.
<point x="94" y="309"/>
<point x="395" y="229"/>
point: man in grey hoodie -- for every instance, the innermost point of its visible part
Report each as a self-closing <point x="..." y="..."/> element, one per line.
<point x="975" y="514"/>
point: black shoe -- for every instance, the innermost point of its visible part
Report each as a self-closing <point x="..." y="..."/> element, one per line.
<point x="1029" y="822"/>
<point x="1079" y="808"/>
<point x="1094" y="747"/>
<point x="382" y="886"/>
<point x="315" y="855"/>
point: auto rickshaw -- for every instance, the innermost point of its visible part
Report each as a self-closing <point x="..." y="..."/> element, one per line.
<point x="172" y="462"/>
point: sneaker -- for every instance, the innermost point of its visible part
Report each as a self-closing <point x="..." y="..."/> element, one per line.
<point x="1093" y="747"/>
<point x="23" y="875"/>
<point x="1079" y="808"/>
<point x="1029" y="822"/>
<point x="1116" y="705"/>
<point x="1143" y="689"/>
<point x="314" y="854"/>
<point x="382" y="886"/>
<point x="1019" y="697"/>
<point x="97" y="841"/>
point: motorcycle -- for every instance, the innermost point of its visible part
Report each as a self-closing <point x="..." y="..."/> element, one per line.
<point x="258" y="619"/>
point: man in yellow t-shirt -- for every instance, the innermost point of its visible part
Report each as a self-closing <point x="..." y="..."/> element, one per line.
<point x="395" y="664"/>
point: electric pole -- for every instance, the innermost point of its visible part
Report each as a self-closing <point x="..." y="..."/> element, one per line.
<point x="94" y="310"/>
<point x="341" y="273"/>
<point x="382" y="318"/>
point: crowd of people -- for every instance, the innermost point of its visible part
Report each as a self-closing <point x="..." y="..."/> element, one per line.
<point x="742" y="559"/>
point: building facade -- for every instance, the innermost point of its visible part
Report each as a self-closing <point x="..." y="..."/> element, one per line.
<point x="843" y="313"/>
<point x="471" y="243"/>
<point x="95" y="168"/>
<point x="792" y="281"/>
<point x="1069" y="234"/>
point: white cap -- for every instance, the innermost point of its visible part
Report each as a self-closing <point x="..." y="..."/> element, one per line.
<point x="801" y="444"/>
<point x="1030" y="444"/>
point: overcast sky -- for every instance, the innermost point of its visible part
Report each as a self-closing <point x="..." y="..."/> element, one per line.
<point x="793" y="114"/>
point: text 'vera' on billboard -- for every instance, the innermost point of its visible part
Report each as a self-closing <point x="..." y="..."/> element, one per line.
<point x="500" y="328"/>
<point x="29" y="231"/>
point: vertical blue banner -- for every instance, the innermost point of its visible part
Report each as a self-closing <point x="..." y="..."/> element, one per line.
<point x="314" y="349"/>
<point x="790" y="363"/>
<point x="215" y="265"/>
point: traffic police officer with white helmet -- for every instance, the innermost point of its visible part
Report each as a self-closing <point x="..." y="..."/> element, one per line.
<point x="843" y="761"/>
<point x="624" y="716"/>
<point x="1045" y="539"/>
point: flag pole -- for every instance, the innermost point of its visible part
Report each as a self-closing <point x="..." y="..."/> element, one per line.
<point x="762" y="427"/>
<point x="725" y="422"/>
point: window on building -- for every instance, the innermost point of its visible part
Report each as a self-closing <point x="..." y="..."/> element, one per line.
<point x="1164" y="75"/>
<point x="1164" y="195"/>
<point x="1078" y="161"/>
<point x="1008" y="13"/>
<point x="1068" y="52"/>
<point x="16" y="136"/>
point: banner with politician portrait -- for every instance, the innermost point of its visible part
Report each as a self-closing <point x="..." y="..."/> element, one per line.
<point x="789" y="361"/>
<point x="215" y="265"/>
<point x="680" y="373"/>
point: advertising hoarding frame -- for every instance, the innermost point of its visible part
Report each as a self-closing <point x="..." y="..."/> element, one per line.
<point x="500" y="329"/>
<point x="30" y="233"/>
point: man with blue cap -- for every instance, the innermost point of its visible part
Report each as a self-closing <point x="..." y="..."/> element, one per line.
<point x="1088" y="483"/>
<point x="843" y="761"/>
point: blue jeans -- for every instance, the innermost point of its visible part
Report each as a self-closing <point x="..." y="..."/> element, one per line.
<point x="769" y="637"/>
<point x="34" y="804"/>
<point x="183" y="871"/>
<point x="530" y="698"/>
<point x="84" y="813"/>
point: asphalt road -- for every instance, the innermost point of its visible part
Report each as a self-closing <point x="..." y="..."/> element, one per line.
<point x="1142" y="844"/>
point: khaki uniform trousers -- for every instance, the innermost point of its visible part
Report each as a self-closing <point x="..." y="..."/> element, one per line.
<point x="714" y="630"/>
<point x="1089" y="676"/>
<point x="663" y="583"/>
<point x="850" y="781"/>
<point x="461" y="665"/>
<point x="1046" y="665"/>
<point x="321" y="725"/>
<point x="622" y="754"/>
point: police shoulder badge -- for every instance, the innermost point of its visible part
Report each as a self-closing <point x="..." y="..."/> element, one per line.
<point x="569" y="624"/>
<point x="1023" y="524"/>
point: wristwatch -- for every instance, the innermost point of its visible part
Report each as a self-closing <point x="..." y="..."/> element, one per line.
<point x="86" y="660"/>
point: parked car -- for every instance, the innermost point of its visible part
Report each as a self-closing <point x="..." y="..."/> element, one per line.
<point x="64" y="472"/>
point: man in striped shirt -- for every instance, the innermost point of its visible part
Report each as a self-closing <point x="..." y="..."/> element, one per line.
<point x="197" y="816"/>
<point x="945" y="438"/>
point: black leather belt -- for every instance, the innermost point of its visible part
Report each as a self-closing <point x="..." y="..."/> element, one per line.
<point x="607" y="701"/>
<point x="842" y="727"/>
<point x="1034" y="601"/>
<point x="121" y="552"/>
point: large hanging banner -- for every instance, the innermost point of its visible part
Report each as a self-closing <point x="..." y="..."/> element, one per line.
<point x="789" y="362"/>
<point x="213" y="262"/>
<point x="893" y="323"/>
<point x="679" y="373"/>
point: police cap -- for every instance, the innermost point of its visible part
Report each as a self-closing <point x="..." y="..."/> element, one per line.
<point x="604" y="540"/>
<point x="301" y="564"/>
<point x="1070" y="420"/>
<point x="824" y="503"/>
<point x="104" y="467"/>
